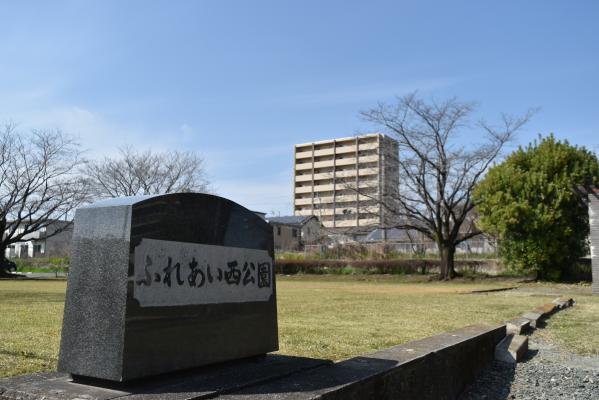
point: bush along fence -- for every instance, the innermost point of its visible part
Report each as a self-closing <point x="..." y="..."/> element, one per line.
<point x="400" y="266"/>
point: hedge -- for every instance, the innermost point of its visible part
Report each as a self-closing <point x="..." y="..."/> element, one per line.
<point x="399" y="266"/>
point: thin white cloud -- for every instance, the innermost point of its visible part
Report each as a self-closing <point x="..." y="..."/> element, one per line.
<point x="234" y="158"/>
<point x="368" y="93"/>
<point x="98" y="135"/>
<point x="272" y="196"/>
<point x="187" y="132"/>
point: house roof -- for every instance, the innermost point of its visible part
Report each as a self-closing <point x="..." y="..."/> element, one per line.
<point x="393" y="234"/>
<point x="290" y="220"/>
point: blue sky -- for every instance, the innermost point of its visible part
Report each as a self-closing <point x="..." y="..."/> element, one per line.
<point x="241" y="81"/>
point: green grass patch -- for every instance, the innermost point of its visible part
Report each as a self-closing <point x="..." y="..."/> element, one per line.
<point x="60" y="265"/>
<point x="30" y="323"/>
<point x="323" y="316"/>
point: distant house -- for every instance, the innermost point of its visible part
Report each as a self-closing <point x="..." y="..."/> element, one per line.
<point x="293" y="232"/>
<point x="412" y="241"/>
<point x="42" y="243"/>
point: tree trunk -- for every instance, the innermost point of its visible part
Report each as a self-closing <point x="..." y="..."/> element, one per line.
<point x="3" y="246"/>
<point x="446" y="254"/>
<point x="3" y="262"/>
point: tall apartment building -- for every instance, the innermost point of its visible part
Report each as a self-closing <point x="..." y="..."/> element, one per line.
<point x="341" y="181"/>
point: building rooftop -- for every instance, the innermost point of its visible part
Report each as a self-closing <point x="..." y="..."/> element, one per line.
<point x="339" y="139"/>
<point x="393" y="234"/>
<point x="290" y="220"/>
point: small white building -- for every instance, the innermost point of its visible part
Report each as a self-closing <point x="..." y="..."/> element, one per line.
<point x="43" y="243"/>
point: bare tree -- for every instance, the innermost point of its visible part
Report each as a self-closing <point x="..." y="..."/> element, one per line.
<point x="438" y="169"/>
<point x="140" y="173"/>
<point x="38" y="183"/>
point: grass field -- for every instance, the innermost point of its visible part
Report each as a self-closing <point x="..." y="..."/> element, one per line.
<point x="332" y="317"/>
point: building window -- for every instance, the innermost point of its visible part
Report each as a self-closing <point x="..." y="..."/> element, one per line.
<point x="294" y="232"/>
<point x="278" y="231"/>
<point x="24" y="252"/>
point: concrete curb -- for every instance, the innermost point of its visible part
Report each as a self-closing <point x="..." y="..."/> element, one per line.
<point x="438" y="367"/>
<point x="563" y="302"/>
<point x="517" y="326"/>
<point x="511" y="349"/>
<point x="546" y="310"/>
<point x="514" y="346"/>
<point x="533" y="317"/>
<point x="483" y="291"/>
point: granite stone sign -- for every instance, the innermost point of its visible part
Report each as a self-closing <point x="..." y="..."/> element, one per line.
<point x="163" y="283"/>
<point x="176" y="274"/>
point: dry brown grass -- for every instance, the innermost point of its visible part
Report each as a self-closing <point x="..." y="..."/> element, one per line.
<point x="319" y="316"/>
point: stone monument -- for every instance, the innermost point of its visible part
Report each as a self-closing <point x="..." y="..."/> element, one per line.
<point x="164" y="283"/>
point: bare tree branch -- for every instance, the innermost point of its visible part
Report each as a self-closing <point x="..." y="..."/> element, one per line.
<point x="438" y="169"/>
<point x="39" y="183"/>
<point x="140" y="173"/>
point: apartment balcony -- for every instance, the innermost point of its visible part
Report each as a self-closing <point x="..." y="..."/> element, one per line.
<point x="324" y="164"/>
<point x="323" y="200"/>
<point x="303" y="166"/>
<point x="338" y="162"/>
<point x="324" y="152"/>
<point x="350" y="211"/>
<point x="323" y="188"/>
<point x="352" y="172"/>
<point x="338" y="200"/>
<point x="348" y="223"/>
<point x="303" y="178"/>
<point x="352" y="197"/>
<point x="345" y="174"/>
<point x="345" y="161"/>
<point x="303" y="189"/>
<point x="327" y="224"/>
<point x="303" y="202"/>
<point x="369" y="222"/>
<point x="304" y="212"/>
<point x="317" y="212"/>
<point x="337" y="174"/>
<point x="303" y="154"/>
<point x="370" y="158"/>
<point x="368" y="171"/>
<point x="369" y="146"/>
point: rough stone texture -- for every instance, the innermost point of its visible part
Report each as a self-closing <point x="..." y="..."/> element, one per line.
<point x="517" y="326"/>
<point x="534" y="318"/>
<point x="438" y="367"/>
<point x="107" y="334"/>
<point x="547" y="372"/>
<point x="94" y="315"/>
<point x="199" y="383"/>
<point x="511" y="349"/>
<point x="594" y="236"/>
<point x="563" y="302"/>
<point x="546" y="309"/>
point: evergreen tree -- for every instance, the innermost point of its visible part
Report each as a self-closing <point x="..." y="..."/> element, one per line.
<point x="531" y="203"/>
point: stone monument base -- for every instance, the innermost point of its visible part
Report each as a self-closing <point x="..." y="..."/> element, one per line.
<point x="198" y="383"/>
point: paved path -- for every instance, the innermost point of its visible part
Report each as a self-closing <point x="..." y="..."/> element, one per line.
<point x="548" y="372"/>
